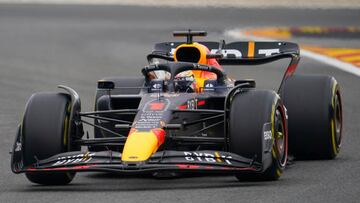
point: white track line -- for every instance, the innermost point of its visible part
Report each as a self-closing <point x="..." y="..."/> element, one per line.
<point x="347" y="67"/>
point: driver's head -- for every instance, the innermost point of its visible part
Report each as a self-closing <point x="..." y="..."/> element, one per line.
<point x="185" y="82"/>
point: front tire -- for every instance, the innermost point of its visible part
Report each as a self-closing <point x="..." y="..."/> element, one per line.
<point x="252" y="114"/>
<point x="45" y="133"/>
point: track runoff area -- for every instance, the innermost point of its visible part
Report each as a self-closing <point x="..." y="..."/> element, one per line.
<point x="344" y="58"/>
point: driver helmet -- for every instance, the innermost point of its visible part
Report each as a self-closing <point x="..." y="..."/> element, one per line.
<point x="185" y="82"/>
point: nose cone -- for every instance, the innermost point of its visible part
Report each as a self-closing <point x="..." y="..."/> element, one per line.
<point x="140" y="145"/>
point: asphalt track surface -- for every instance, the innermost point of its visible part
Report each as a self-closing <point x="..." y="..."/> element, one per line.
<point x="43" y="46"/>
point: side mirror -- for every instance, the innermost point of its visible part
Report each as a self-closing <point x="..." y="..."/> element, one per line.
<point x="251" y="83"/>
<point x="103" y="84"/>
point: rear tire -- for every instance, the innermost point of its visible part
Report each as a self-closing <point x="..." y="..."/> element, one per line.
<point x="44" y="133"/>
<point x="251" y="112"/>
<point x="315" y="116"/>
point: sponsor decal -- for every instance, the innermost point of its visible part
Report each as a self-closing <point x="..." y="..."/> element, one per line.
<point x="228" y="53"/>
<point x="210" y="157"/>
<point x="79" y="158"/>
<point x="268" y="137"/>
<point x="192" y="104"/>
<point x="156" y="86"/>
<point x="199" y="67"/>
<point x="152" y="114"/>
<point x="269" y="52"/>
<point x="149" y="120"/>
<point x="209" y="85"/>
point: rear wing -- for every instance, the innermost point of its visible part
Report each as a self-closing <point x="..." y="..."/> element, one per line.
<point x="239" y="53"/>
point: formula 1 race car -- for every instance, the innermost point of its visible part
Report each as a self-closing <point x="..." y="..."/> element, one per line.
<point x="184" y="115"/>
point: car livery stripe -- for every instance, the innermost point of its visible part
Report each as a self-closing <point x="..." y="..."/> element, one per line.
<point x="251" y="49"/>
<point x="60" y="169"/>
<point x="179" y="166"/>
<point x="200" y="103"/>
<point x="192" y="166"/>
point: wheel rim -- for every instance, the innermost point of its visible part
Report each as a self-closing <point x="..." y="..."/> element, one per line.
<point x="337" y="119"/>
<point x="280" y="138"/>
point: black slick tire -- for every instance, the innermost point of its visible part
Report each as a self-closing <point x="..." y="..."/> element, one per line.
<point x="315" y="116"/>
<point x="250" y="111"/>
<point x="44" y="133"/>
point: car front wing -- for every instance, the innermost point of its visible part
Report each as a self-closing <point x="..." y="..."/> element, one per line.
<point x="172" y="161"/>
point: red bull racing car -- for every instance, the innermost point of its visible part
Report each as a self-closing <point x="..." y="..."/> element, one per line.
<point x="184" y="115"/>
